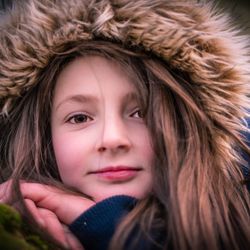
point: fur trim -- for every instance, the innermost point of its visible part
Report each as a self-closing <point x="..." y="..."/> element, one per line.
<point x="191" y="36"/>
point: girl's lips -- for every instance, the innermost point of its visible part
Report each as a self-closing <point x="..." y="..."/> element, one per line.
<point x="117" y="174"/>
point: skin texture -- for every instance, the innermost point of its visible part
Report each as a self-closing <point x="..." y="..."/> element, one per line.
<point x="52" y="208"/>
<point x="97" y="123"/>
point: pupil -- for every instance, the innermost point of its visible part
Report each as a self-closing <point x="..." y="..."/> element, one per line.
<point x="80" y="118"/>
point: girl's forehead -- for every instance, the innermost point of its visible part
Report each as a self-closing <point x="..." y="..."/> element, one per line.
<point x="93" y="65"/>
<point x="93" y="76"/>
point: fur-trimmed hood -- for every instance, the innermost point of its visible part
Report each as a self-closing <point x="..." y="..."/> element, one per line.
<point x="191" y="36"/>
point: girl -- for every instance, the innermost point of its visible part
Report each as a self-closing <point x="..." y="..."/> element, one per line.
<point x="123" y="121"/>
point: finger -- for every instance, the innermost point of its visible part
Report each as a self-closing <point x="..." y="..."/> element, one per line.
<point x="44" y="195"/>
<point x="5" y="192"/>
<point x="54" y="226"/>
<point x="73" y="242"/>
<point x="35" y="211"/>
<point x="66" y="206"/>
<point x="37" y="192"/>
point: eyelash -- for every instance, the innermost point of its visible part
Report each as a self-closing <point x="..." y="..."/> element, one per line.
<point x="86" y="118"/>
<point x="140" y="116"/>
<point x="72" y="119"/>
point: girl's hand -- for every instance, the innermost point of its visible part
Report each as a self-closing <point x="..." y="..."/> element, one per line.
<point x="65" y="205"/>
<point x="51" y="207"/>
<point x="5" y="188"/>
<point x="59" y="231"/>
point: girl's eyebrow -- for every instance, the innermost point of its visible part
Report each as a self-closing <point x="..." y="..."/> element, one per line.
<point x="130" y="97"/>
<point x="78" y="99"/>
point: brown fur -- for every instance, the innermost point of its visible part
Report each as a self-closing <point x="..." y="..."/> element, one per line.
<point x="194" y="39"/>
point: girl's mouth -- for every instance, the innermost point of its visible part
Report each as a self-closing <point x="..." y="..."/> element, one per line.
<point x="117" y="174"/>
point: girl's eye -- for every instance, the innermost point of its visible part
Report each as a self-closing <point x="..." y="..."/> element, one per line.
<point x="79" y="118"/>
<point x="138" y="114"/>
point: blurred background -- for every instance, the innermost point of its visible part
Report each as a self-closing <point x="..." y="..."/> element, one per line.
<point x="240" y="11"/>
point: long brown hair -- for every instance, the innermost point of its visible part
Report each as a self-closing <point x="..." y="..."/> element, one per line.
<point x="198" y="201"/>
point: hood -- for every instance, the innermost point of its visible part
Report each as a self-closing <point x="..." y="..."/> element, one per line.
<point x="191" y="36"/>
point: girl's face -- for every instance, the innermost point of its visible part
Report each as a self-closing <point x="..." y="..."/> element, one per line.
<point x="101" y="143"/>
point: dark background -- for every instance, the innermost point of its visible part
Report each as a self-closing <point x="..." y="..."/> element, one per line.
<point x="240" y="11"/>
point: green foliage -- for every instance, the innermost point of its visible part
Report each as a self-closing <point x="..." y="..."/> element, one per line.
<point x="15" y="234"/>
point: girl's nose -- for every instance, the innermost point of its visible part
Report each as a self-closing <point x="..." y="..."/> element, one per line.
<point x="114" y="136"/>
